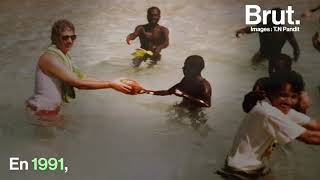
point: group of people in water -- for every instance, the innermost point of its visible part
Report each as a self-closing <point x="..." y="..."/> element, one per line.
<point x="275" y="107"/>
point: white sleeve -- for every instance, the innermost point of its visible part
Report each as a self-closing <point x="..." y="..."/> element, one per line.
<point x="298" y="117"/>
<point x="282" y="128"/>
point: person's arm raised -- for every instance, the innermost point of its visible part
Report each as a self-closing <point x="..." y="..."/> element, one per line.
<point x="245" y="30"/>
<point x="52" y="66"/>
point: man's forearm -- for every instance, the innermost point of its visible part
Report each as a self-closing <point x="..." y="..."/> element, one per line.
<point x="315" y="9"/>
<point x="92" y="84"/>
<point x="313" y="125"/>
<point x="131" y="36"/>
<point x="246" y="30"/>
<point x="159" y="93"/>
<point x="202" y="102"/>
<point x="310" y="137"/>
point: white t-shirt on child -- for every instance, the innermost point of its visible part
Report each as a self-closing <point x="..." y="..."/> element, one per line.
<point x="263" y="126"/>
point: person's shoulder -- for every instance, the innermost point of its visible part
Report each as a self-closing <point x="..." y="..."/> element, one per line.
<point x="263" y="108"/>
<point x="46" y="61"/>
<point x="206" y="82"/>
<point x="165" y="29"/>
<point x="45" y="58"/>
<point x="140" y="27"/>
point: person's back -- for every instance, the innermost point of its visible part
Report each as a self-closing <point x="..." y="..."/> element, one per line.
<point x="271" y="43"/>
<point x="196" y="88"/>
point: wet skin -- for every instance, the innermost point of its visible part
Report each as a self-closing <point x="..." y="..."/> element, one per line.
<point x="152" y="36"/>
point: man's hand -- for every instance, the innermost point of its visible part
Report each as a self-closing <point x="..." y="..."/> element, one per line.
<point x="238" y="33"/>
<point x="121" y="87"/>
<point x="306" y="14"/>
<point x="156" y="49"/>
<point x="128" y="40"/>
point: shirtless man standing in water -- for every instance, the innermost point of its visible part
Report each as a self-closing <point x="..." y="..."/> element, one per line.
<point x="153" y="37"/>
<point x="271" y="43"/>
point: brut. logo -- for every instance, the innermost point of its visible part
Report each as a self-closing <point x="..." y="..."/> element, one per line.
<point x="281" y="17"/>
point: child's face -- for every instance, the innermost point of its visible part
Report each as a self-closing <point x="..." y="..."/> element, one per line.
<point x="285" y="99"/>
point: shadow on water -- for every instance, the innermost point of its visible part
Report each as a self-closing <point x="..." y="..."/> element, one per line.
<point x="182" y="114"/>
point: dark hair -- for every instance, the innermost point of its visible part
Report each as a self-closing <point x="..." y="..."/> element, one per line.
<point x="152" y="8"/>
<point x="58" y="27"/>
<point x="261" y="84"/>
<point x="283" y="63"/>
<point x="195" y="63"/>
<point x="278" y="79"/>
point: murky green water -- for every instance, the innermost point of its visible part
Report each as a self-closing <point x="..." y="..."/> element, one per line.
<point x="112" y="136"/>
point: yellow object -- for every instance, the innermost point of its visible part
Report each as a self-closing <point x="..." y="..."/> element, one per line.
<point x="139" y="52"/>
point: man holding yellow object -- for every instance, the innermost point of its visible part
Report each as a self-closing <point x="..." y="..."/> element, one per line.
<point x="153" y="37"/>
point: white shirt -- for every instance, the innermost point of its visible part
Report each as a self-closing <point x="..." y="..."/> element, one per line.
<point x="263" y="126"/>
<point x="47" y="92"/>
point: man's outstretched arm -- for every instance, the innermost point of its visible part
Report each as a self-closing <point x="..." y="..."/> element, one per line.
<point x="245" y="30"/>
<point x="313" y="125"/>
<point x="315" y="9"/>
<point x="134" y="35"/>
<point x="309" y="13"/>
<point x="310" y="137"/>
<point x="170" y="91"/>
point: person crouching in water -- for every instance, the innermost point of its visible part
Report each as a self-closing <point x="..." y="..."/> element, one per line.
<point x="272" y="120"/>
<point x="194" y="89"/>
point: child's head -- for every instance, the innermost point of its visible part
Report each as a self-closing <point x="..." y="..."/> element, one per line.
<point x="193" y="65"/>
<point x="283" y="89"/>
<point x="283" y="63"/>
<point x="260" y="84"/>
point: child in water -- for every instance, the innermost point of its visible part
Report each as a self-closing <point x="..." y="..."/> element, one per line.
<point x="271" y="121"/>
<point x="258" y="93"/>
<point x="193" y="87"/>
